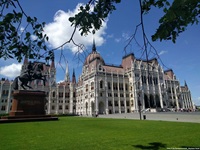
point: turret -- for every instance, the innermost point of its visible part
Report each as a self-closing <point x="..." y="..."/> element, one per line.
<point x="94" y="46"/>
<point x="52" y="66"/>
<point x="73" y="77"/>
<point x="67" y="78"/>
<point x="25" y="61"/>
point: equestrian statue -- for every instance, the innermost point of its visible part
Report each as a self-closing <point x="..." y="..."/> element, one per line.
<point x="33" y="72"/>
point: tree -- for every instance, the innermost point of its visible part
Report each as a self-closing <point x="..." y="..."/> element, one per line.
<point x="17" y="42"/>
<point x="177" y="16"/>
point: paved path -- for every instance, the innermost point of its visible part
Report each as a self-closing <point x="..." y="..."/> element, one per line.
<point x="164" y="116"/>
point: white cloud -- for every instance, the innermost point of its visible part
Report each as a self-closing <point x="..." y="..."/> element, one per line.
<point x="60" y="30"/>
<point x="11" y="71"/>
<point x="125" y="36"/>
<point x="118" y="40"/>
<point x="110" y="36"/>
<point x="162" y="52"/>
<point x="22" y="29"/>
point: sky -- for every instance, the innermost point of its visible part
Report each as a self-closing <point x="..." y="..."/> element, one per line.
<point x="111" y="40"/>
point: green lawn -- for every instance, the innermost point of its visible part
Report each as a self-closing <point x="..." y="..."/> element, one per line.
<point x="77" y="133"/>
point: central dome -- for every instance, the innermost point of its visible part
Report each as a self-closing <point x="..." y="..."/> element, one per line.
<point x="93" y="56"/>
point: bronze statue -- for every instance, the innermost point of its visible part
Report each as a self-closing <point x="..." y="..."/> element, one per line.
<point x="32" y="73"/>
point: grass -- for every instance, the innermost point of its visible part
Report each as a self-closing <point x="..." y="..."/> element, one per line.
<point x="78" y="133"/>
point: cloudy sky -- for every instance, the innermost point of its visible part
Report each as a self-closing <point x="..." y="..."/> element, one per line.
<point x="111" y="41"/>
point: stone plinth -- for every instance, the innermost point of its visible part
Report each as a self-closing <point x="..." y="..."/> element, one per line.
<point x="29" y="103"/>
<point x="28" y="106"/>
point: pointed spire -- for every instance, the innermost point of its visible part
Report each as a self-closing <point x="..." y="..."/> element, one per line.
<point x="67" y="78"/>
<point x="52" y="61"/>
<point x="25" y="60"/>
<point x="185" y="84"/>
<point x="94" y="46"/>
<point x="73" y="77"/>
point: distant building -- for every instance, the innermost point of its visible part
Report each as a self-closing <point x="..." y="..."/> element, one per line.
<point x="106" y="89"/>
<point x="60" y="96"/>
<point x="5" y="95"/>
<point x="186" y="99"/>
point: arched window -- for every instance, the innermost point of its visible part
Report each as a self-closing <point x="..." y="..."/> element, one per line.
<point x="54" y="94"/>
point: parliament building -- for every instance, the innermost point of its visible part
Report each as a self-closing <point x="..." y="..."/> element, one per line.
<point x="107" y="89"/>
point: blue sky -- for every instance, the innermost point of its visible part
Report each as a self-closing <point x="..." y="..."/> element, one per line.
<point x="183" y="57"/>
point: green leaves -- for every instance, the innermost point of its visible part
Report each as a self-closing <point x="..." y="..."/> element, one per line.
<point x="147" y="4"/>
<point x="17" y="43"/>
<point x="177" y="17"/>
<point x="88" y="19"/>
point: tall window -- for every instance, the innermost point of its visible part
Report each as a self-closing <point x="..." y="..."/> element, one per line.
<point x="127" y="103"/>
<point x="126" y="87"/>
<point x="66" y="95"/>
<point x="109" y="103"/>
<point x="115" y="87"/>
<point x="115" y="95"/>
<point x="74" y="94"/>
<point x="86" y="87"/>
<point x="149" y="79"/>
<point x="101" y="84"/>
<point x="60" y="94"/>
<point x="144" y="79"/>
<point x="109" y="94"/>
<point x="54" y="94"/>
<point x="3" y="108"/>
<point x="109" y="87"/>
<point x="155" y="80"/>
<point x="121" y="86"/>
<point x="92" y="85"/>
<point x="122" y="103"/>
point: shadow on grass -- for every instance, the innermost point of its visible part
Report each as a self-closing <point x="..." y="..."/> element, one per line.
<point x="152" y="146"/>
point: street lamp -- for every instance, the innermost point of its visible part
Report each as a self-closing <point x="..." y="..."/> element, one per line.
<point x="139" y="104"/>
<point x="139" y="101"/>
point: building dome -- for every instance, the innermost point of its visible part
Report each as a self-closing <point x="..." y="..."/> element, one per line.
<point x="93" y="56"/>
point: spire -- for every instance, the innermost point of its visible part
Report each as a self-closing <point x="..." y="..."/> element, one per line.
<point x="67" y="78"/>
<point x="25" y="60"/>
<point x="52" y="62"/>
<point x="185" y="84"/>
<point x="94" y="46"/>
<point x="73" y="77"/>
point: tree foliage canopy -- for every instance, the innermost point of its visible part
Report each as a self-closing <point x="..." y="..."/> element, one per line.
<point x="16" y="42"/>
<point x="177" y="16"/>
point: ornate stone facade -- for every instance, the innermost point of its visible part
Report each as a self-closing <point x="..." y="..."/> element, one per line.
<point x="106" y="89"/>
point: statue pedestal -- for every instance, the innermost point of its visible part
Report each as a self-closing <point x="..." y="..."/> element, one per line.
<point x="28" y="106"/>
<point x="28" y="103"/>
